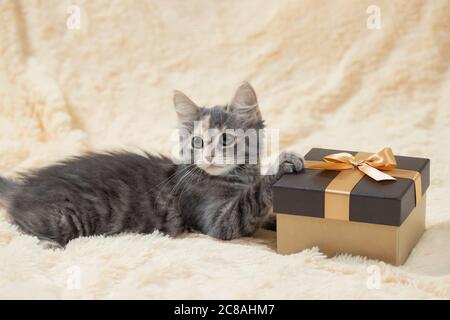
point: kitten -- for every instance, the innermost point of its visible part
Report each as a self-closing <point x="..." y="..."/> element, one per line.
<point x="111" y="193"/>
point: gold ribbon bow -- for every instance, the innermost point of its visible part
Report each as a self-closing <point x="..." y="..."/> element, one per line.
<point x="337" y="193"/>
<point x="371" y="166"/>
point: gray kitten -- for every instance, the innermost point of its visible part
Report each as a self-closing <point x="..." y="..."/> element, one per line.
<point x="111" y="193"/>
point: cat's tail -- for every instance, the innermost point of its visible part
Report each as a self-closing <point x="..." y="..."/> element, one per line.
<point x="6" y="189"/>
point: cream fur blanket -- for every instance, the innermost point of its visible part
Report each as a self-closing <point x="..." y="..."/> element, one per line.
<point x="324" y="79"/>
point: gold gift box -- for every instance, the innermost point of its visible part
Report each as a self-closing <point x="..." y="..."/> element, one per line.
<point x="380" y="220"/>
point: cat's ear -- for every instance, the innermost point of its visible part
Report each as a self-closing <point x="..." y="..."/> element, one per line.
<point x="245" y="102"/>
<point x="187" y="110"/>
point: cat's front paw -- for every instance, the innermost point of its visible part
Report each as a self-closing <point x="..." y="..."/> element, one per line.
<point x="270" y="223"/>
<point x="290" y="162"/>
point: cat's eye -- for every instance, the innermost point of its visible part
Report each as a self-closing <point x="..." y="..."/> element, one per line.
<point x="197" y="142"/>
<point x="227" y="139"/>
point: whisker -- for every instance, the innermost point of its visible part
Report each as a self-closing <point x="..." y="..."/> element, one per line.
<point x="189" y="181"/>
<point x="171" y="177"/>
<point x="175" y="188"/>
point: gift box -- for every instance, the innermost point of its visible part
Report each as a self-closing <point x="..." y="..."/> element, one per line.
<point x="360" y="203"/>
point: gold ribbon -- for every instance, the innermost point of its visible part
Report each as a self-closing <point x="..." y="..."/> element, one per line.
<point x="352" y="170"/>
<point x="371" y="165"/>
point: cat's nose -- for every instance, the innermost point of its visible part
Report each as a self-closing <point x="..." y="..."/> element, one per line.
<point x="209" y="158"/>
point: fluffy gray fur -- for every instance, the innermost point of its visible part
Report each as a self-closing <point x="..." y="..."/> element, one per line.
<point x="111" y="193"/>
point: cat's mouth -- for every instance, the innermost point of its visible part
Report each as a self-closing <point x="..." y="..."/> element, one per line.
<point x="214" y="169"/>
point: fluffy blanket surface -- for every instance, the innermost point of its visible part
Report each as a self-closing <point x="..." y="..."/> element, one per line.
<point x="323" y="78"/>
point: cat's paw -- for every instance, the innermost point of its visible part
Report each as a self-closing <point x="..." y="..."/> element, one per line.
<point x="290" y="162"/>
<point x="286" y="162"/>
<point x="270" y="223"/>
